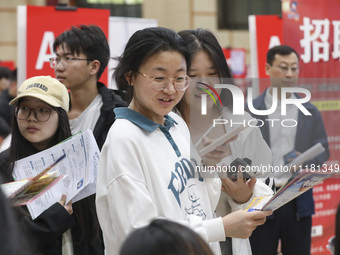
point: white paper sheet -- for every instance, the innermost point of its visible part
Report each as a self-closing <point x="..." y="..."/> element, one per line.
<point x="80" y="167"/>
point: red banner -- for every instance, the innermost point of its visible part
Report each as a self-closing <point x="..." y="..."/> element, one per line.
<point x="265" y="32"/>
<point x="315" y="35"/>
<point x="39" y="26"/>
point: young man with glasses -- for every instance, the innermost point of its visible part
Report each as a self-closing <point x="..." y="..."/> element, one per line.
<point x="292" y="222"/>
<point x="82" y="54"/>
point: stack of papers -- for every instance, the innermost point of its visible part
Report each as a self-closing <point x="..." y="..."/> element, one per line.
<point x="299" y="183"/>
<point x="79" y="169"/>
<point x="293" y="188"/>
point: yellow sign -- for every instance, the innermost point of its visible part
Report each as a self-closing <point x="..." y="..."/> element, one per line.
<point x="327" y="105"/>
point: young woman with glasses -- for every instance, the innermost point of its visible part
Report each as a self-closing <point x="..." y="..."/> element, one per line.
<point x="41" y="122"/>
<point x="209" y="67"/>
<point x="146" y="168"/>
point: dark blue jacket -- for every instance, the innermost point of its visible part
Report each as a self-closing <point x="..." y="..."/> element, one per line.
<point x="310" y="131"/>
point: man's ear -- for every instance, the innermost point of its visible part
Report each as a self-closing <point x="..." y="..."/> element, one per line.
<point x="95" y="65"/>
<point x="268" y="68"/>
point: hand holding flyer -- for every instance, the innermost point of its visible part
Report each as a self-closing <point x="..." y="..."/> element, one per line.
<point x="79" y="169"/>
<point x="293" y="188"/>
<point x="38" y="180"/>
<point x="26" y="191"/>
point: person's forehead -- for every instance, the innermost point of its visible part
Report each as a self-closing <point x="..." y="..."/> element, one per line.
<point x="290" y="58"/>
<point x="65" y="49"/>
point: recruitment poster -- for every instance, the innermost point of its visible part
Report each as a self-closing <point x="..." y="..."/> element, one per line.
<point x="315" y="35"/>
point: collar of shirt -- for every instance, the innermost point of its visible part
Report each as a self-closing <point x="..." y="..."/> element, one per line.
<point x="144" y="123"/>
<point x="141" y="121"/>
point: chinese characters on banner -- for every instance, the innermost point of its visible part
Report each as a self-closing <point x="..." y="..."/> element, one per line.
<point x="315" y="35"/>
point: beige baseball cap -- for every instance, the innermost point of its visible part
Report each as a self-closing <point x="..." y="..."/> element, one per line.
<point x="45" y="88"/>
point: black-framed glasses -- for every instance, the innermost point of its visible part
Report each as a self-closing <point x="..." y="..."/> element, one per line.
<point x="285" y="69"/>
<point x="65" y="61"/>
<point x="180" y="82"/>
<point x="41" y="114"/>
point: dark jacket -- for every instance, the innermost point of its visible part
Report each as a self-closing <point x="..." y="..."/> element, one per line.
<point x="111" y="100"/>
<point x="45" y="232"/>
<point x="6" y="111"/>
<point x="310" y="131"/>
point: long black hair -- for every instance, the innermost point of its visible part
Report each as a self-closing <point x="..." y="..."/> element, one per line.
<point x="142" y="45"/>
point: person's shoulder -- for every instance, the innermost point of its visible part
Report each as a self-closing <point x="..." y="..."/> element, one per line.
<point x="5" y="97"/>
<point x="258" y="102"/>
<point x="309" y="106"/>
<point x="111" y="96"/>
<point x="124" y="129"/>
<point x="4" y="155"/>
<point x="260" y="98"/>
<point x="175" y="116"/>
<point x="179" y="120"/>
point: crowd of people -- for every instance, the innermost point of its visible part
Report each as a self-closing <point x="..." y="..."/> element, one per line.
<point x="150" y="198"/>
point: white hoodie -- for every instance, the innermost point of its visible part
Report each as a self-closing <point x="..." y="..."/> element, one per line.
<point x="146" y="172"/>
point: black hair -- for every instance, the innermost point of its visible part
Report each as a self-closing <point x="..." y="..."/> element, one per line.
<point x="4" y="128"/>
<point x="5" y="72"/>
<point x="164" y="237"/>
<point x="282" y="50"/>
<point x="203" y="39"/>
<point x="14" y="76"/>
<point x="89" y="40"/>
<point x="142" y="45"/>
<point x="83" y="210"/>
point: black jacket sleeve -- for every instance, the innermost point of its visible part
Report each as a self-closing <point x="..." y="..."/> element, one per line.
<point x="48" y="226"/>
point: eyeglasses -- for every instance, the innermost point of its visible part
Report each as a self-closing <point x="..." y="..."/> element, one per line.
<point x="41" y="114"/>
<point x="285" y="69"/>
<point x="180" y="83"/>
<point x="65" y="61"/>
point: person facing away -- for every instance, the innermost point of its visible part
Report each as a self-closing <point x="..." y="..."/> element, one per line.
<point x="82" y="54"/>
<point x="292" y="222"/>
<point x="6" y="110"/>
<point x="40" y="121"/>
<point x="208" y="66"/>
<point x="164" y="237"/>
<point x="145" y="169"/>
